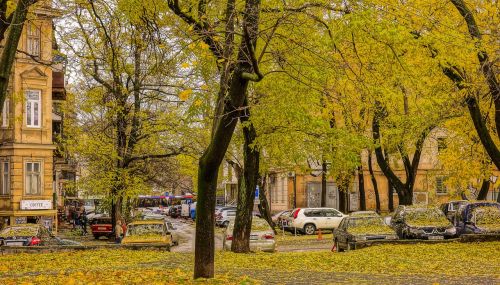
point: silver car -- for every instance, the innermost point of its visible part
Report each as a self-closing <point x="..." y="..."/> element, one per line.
<point x="261" y="236"/>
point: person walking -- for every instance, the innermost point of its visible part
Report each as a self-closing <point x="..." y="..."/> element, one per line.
<point x="118" y="231"/>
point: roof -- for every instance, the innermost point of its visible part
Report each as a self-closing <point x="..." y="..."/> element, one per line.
<point x="147" y="222"/>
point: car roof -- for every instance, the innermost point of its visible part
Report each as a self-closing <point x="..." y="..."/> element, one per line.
<point x="147" y="222"/>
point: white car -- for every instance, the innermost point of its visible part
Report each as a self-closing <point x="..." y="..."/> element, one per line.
<point x="308" y="220"/>
<point x="223" y="217"/>
<point x="261" y="236"/>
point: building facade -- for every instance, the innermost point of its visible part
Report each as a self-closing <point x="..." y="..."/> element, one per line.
<point x="26" y="139"/>
<point x="287" y="190"/>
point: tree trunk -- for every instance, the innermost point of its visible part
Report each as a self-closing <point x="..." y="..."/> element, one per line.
<point x="8" y="54"/>
<point x="374" y="182"/>
<point x="390" y="198"/>
<point x="208" y="172"/>
<point x="485" y="188"/>
<point x="235" y="75"/>
<point x="361" y="181"/>
<point x="323" y="184"/>
<point x="246" y="195"/>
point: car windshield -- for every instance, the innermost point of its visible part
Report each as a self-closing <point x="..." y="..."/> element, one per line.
<point x="258" y="225"/>
<point x="101" y="221"/>
<point x="145" y="230"/>
<point x="368" y="225"/>
<point x="19" y="231"/>
<point x="422" y="217"/>
<point x="487" y="217"/>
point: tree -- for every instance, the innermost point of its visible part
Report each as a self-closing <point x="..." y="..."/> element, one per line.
<point x="238" y="66"/>
<point x="11" y="26"/>
<point x="128" y="108"/>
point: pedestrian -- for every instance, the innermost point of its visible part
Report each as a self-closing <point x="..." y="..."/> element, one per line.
<point x="118" y="231"/>
<point x="124" y="227"/>
<point x="75" y="218"/>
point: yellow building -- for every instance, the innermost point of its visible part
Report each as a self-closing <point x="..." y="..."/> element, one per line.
<point x="26" y="145"/>
<point x="287" y="189"/>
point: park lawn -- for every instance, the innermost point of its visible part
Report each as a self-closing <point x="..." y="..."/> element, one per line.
<point x="128" y="266"/>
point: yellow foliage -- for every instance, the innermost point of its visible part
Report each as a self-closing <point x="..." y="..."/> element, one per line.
<point x="184" y="94"/>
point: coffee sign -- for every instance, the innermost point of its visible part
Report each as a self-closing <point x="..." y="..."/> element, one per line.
<point x="36" y="204"/>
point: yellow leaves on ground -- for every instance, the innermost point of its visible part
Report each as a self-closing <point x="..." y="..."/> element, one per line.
<point x="453" y="260"/>
<point x="184" y="94"/>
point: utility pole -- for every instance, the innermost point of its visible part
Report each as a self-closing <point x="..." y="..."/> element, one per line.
<point x="323" y="185"/>
<point x="294" y="190"/>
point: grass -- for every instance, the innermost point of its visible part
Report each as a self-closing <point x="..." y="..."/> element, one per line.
<point x="450" y="261"/>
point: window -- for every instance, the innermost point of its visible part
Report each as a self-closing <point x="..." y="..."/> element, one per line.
<point x="33" y="110"/>
<point x="33" y="40"/>
<point x="441" y="144"/>
<point x="5" y="186"/>
<point x="440" y="187"/>
<point x="5" y="113"/>
<point x="33" y="178"/>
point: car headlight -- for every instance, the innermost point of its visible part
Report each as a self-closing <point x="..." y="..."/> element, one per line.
<point x="451" y="231"/>
<point x="360" y="238"/>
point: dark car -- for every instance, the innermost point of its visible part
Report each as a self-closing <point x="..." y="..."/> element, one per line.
<point x="478" y="218"/>
<point x="353" y="230"/>
<point x="420" y="222"/>
<point x="30" y="235"/>
<point x="101" y="227"/>
<point x="449" y="209"/>
<point x="175" y="211"/>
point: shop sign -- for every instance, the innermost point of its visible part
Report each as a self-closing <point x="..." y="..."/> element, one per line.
<point x="36" y="204"/>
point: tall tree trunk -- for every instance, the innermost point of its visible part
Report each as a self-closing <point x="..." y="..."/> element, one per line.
<point x="361" y="185"/>
<point x="486" y="66"/>
<point x="485" y="188"/>
<point x="374" y="182"/>
<point x="8" y="54"/>
<point x="323" y="184"/>
<point x="235" y="76"/>
<point x="246" y="195"/>
<point x="390" y="197"/>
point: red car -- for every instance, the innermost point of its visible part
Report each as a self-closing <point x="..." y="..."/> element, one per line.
<point x="101" y="227"/>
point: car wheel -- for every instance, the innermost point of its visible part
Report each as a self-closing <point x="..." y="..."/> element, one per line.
<point x="97" y="236"/>
<point x="350" y="246"/>
<point x="309" y="229"/>
<point x="337" y="246"/>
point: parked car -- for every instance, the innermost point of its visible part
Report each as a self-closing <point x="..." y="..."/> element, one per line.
<point x="261" y="236"/>
<point x="420" y="222"/>
<point x="174" y="235"/>
<point x="101" y="227"/>
<point x="283" y="220"/>
<point x="277" y="216"/>
<point x="364" y="213"/>
<point x="450" y="209"/>
<point x="31" y="235"/>
<point x="147" y="232"/>
<point x="224" y="216"/>
<point x="175" y="211"/>
<point x="478" y="218"/>
<point x="308" y="220"/>
<point x="353" y="230"/>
